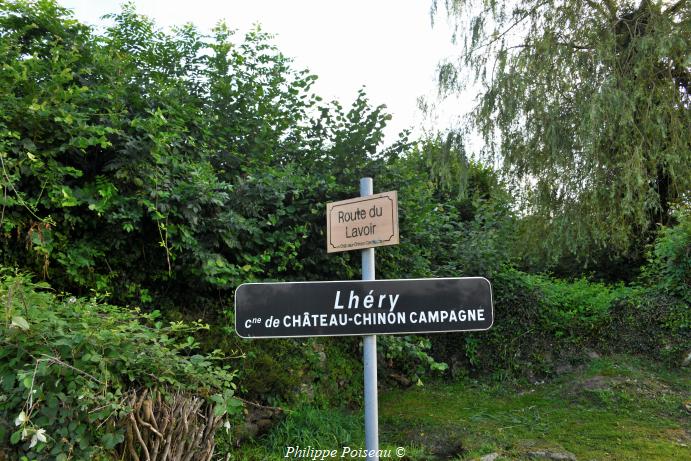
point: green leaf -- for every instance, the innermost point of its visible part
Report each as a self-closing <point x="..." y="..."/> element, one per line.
<point x="16" y="437"/>
<point x="219" y="410"/>
<point x="110" y="441"/>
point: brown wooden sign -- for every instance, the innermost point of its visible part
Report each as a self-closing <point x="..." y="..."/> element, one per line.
<point x="363" y="222"/>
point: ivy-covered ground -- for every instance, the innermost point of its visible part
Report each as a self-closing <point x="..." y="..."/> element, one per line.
<point x="611" y="408"/>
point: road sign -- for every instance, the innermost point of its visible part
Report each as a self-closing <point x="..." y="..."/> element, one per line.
<point x="346" y="308"/>
<point x="363" y="222"/>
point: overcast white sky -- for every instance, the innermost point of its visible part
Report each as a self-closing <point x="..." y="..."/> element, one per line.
<point x="388" y="46"/>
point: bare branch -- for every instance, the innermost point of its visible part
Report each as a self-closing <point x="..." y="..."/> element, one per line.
<point x="135" y="428"/>
<point x="506" y="31"/>
<point x="612" y="7"/>
<point x="676" y="7"/>
<point x="262" y="406"/>
<point x="56" y="360"/>
<point x="597" y="6"/>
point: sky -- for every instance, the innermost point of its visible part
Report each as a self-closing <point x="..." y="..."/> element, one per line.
<point x="387" y="46"/>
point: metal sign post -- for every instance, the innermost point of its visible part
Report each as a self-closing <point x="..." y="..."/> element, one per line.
<point x="370" y="354"/>
<point x="365" y="307"/>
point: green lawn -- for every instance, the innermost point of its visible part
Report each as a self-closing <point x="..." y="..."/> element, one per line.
<point x="616" y="408"/>
<point x="612" y="409"/>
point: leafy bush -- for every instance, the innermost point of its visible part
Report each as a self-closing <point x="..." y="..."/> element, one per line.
<point x="539" y="322"/>
<point x="409" y="355"/>
<point x="652" y="323"/>
<point x="165" y="165"/>
<point x="450" y="231"/>
<point x="515" y="343"/>
<point x="70" y="367"/>
<point x="669" y="260"/>
<point x="164" y="168"/>
<point x="657" y="319"/>
<point x="576" y="310"/>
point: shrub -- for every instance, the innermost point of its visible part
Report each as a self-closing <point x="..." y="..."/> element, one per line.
<point x="652" y="323"/>
<point x="657" y="319"/>
<point x="166" y="166"/>
<point x="539" y="321"/>
<point x="576" y="310"/>
<point x="518" y="340"/>
<point x="669" y="260"/>
<point x="410" y="355"/>
<point x="85" y="380"/>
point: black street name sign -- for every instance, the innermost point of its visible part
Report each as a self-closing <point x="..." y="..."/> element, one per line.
<point x="345" y="308"/>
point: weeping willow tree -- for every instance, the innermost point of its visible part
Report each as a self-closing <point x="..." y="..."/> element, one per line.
<point x="586" y="106"/>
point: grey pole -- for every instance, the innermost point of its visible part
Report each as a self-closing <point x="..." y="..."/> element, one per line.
<point x="370" y="353"/>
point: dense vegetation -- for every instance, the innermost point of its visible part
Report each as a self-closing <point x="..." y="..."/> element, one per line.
<point x="145" y="174"/>
<point x="587" y="105"/>
<point x="85" y="380"/>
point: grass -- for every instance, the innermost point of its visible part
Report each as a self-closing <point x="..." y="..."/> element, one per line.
<point x="616" y="408"/>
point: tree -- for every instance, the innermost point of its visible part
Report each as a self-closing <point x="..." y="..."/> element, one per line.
<point x="167" y="165"/>
<point x="586" y="105"/>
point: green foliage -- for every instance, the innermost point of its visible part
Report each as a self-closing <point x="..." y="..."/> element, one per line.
<point x="304" y="427"/>
<point x="336" y="364"/>
<point x="410" y="355"/>
<point x="166" y="168"/>
<point x="163" y="169"/>
<point x="196" y="160"/>
<point x="282" y="372"/>
<point x="657" y="320"/>
<point x="67" y="366"/>
<point x="277" y="370"/>
<point x="586" y="105"/>
<point x="312" y="427"/>
<point x="669" y="260"/>
<point x="539" y="322"/>
<point x="542" y="322"/>
<point x="452" y="226"/>
<point x="203" y="162"/>
<point x="577" y="310"/>
<point x="652" y="323"/>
